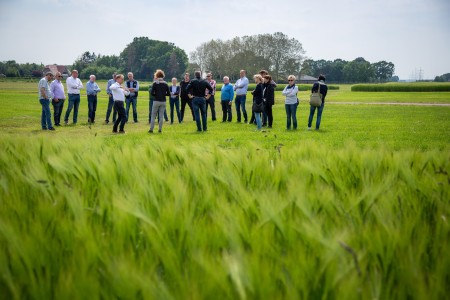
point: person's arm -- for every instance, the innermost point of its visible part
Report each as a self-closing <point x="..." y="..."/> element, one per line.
<point x="89" y="88"/>
<point x="97" y="88"/>
<point x="209" y="88"/>
<point x="167" y="90"/>
<point x="177" y="91"/>
<point x="232" y="94"/>
<point x="80" y="84"/>
<point x="271" y="94"/>
<point x="314" y="87"/>
<point x="153" y="89"/>
<point x="284" y="92"/>
<point x="114" y="87"/>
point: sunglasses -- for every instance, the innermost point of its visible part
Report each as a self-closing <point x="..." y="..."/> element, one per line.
<point x="290" y="80"/>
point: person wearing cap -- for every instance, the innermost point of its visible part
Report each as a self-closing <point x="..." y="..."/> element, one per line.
<point x="131" y="99"/>
<point x="91" y="90"/>
<point x="74" y="85"/>
<point x="44" y="99"/>
<point x="211" y="101"/>
<point x="111" y="100"/>
<point x="196" y="92"/>
<point x="57" y="90"/>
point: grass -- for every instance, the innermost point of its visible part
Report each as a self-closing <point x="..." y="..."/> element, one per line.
<point x="357" y="210"/>
<point x="403" y="87"/>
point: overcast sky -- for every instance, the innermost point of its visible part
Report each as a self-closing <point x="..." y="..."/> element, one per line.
<point x="413" y="34"/>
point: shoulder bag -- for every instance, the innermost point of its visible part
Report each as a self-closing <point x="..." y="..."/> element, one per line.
<point x="316" y="98"/>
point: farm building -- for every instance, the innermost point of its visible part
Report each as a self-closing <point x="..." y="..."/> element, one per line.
<point x="307" y="79"/>
<point x="57" y="68"/>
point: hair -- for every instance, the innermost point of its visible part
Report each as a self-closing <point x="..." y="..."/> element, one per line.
<point x="209" y="74"/>
<point x="119" y="76"/>
<point x="130" y="73"/>
<point x="186" y="74"/>
<point x="321" y="77"/>
<point x="268" y="77"/>
<point x="291" y="77"/>
<point x="197" y="74"/>
<point x="226" y="77"/>
<point x="91" y="76"/>
<point x="242" y="71"/>
<point x="174" y="78"/>
<point x="159" y="73"/>
<point x="257" y="76"/>
<point x="263" y="72"/>
<point x="74" y="71"/>
<point x="49" y="73"/>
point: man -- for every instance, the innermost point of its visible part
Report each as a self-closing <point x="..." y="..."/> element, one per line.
<point x="91" y="90"/>
<point x="196" y="92"/>
<point x="44" y="99"/>
<point x="119" y="92"/>
<point x="74" y="85"/>
<point x="210" y="101"/>
<point x="226" y="99"/>
<point x="133" y="87"/>
<point x="111" y="100"/>
<point x="184" y="97"/>
<point x="241" y="88"/>
<point x="57" y="90"/>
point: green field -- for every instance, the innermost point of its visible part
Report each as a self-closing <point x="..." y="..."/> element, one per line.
<point x="357" y="210"/>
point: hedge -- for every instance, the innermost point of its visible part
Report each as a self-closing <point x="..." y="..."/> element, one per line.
<point x="402" y="87"/>
<point x="251" y="87"/>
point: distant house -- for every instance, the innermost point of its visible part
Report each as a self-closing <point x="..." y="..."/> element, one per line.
<point x="307" y="79"/>
<point x="56" y="68"/>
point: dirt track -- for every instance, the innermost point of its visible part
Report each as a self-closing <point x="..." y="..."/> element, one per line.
<point x="390" y="103"/>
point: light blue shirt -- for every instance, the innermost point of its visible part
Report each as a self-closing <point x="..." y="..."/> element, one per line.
<point x="227" y="92"/>
<point x="43" y="83"/>
<point x="241" y="86"/>
<point x="92" y="88"/>
<point x="111" y="81"/>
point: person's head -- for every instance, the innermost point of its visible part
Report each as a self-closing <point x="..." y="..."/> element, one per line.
<point x="130" y="76"/>
<point x="242" y="73"/>
<point x="257" y="78"/>
<point x="159" y="74"/>
<point x="92" y="78"/>
<point x="48" y="75"/>
<point x="58" y="76"/>
<point x="263" y="72"/>
<point x="209" y="76"/>
<point x="321" y="77"/>
<point x="197" y="74"/>
<point x="186" y="77"/>
<point x="119" y="78"/>
<point x="74" y="73"/>
<point x="226" y="80"/>
<point x="174" y="81"/>
<point x="291" y="79"/>
<point x="267" y="78"/>
<point x="114" y="75"/>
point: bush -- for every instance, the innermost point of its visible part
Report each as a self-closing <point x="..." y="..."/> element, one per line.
<point x="402" y="87"/>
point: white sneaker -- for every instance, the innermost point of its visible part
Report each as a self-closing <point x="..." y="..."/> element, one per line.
<point x="309" y="128"/>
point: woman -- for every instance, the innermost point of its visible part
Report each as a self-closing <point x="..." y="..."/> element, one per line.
<point x="320" y="84"/>
<point x="269" y="98"/>
<point x="290" y="91"/>
<point x="160" y="90"/>
<point x="174" y="100"/>
<point x="258" y="104"/>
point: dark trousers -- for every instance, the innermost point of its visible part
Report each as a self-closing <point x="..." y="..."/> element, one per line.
<point x="226" y="110"/>
<point x="211" y="102"/>
<point x="92" y="107"/>
<point x="267" y="115"/>
<point x="174" y="103"/>
<point x="199" y="104"/>
<point x="187" y="101"/>
<point x="133" y="101"/>
<point x="111" y="107"/>
<point x="74" y="103"/>
<point x="57" y="110"/>
<point x="122" y="116"/>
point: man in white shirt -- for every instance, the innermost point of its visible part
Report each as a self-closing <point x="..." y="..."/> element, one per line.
<point x="119" y="92"/>
<point x="74" y="85"/>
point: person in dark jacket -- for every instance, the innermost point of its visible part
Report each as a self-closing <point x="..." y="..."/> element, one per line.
<point x="160" y="90"/>
<point x="184" y="96"/>
<point x="196" y="92"/>
<point x="257" y="100"/>
<point x="269" y="98"/>
<point x="174" y="100"/>
<point x="320" y="84"/>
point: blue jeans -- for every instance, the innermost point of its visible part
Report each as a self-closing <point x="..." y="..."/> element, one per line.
<point x="291" y="113"/>
<point x="74" y="103"/>
<point x="110" y="108"/>
<point x="133" y="101"/>
<point x="92" y="107"/>
<point x="312" y="110"/>
<point x="240" y="103"/>
<point x="46" y="116"/>
<point x="175" y="102"/>
<point x="258" y="120"/>
<point x="199" y="104"/>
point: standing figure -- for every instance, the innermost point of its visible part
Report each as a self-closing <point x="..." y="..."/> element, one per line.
<point x="57" y="89"/>
<point x="226" y="99"/>
<point x="111" y="100"/>
<point x="74" y="85"/>
<point x="211" y="101"/>
<point x="160" y="90"/>
<point x="44" y="99"/>
<point x="184" y="96"/>
<point x="196" y="92"/>
<point x="320" y="84"/>
<point x="241" y="87"/>
<point x="133" y="87"/>
<point x="91" y="90"/>
<point x="119" y="92"/>
<point x="291" y="103"/>
<point x="257" y="100"/>
<point x="174" y="100"/>
<point x="269" y="98"/>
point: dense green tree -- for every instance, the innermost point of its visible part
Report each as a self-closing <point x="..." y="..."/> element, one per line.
<point x="443" y="78"/>
<point x="383" y="70"/>
<point x="358" y="70"/>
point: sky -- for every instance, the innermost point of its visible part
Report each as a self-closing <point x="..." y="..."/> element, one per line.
<point x="412" y="34"/>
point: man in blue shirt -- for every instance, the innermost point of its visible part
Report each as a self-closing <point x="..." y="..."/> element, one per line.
<point x="226" y="99"/>
<point x="91" y="90"/>
<point x="111" y="100"/>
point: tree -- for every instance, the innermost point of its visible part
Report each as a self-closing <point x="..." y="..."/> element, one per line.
<point x="358" y="70"/>
<point x="84" y="60"/>
<point x="443" y="78"/>
<point x="383" y="70"/>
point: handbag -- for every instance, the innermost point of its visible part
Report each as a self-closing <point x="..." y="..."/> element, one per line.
<point x="258" y="108"/>
<point x="316" y="98"/>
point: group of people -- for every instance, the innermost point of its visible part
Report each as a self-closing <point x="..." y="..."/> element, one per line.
<point x="197" y="93"/>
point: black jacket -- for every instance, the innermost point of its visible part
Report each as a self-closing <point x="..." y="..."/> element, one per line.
<point x="258" y="94"/>
<point x="198" y="86"/>
<point x="269" y="93"/>
<point x="183" y="90"/>
<point x="160" y="90"/>
<point x="323" y="89"/>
